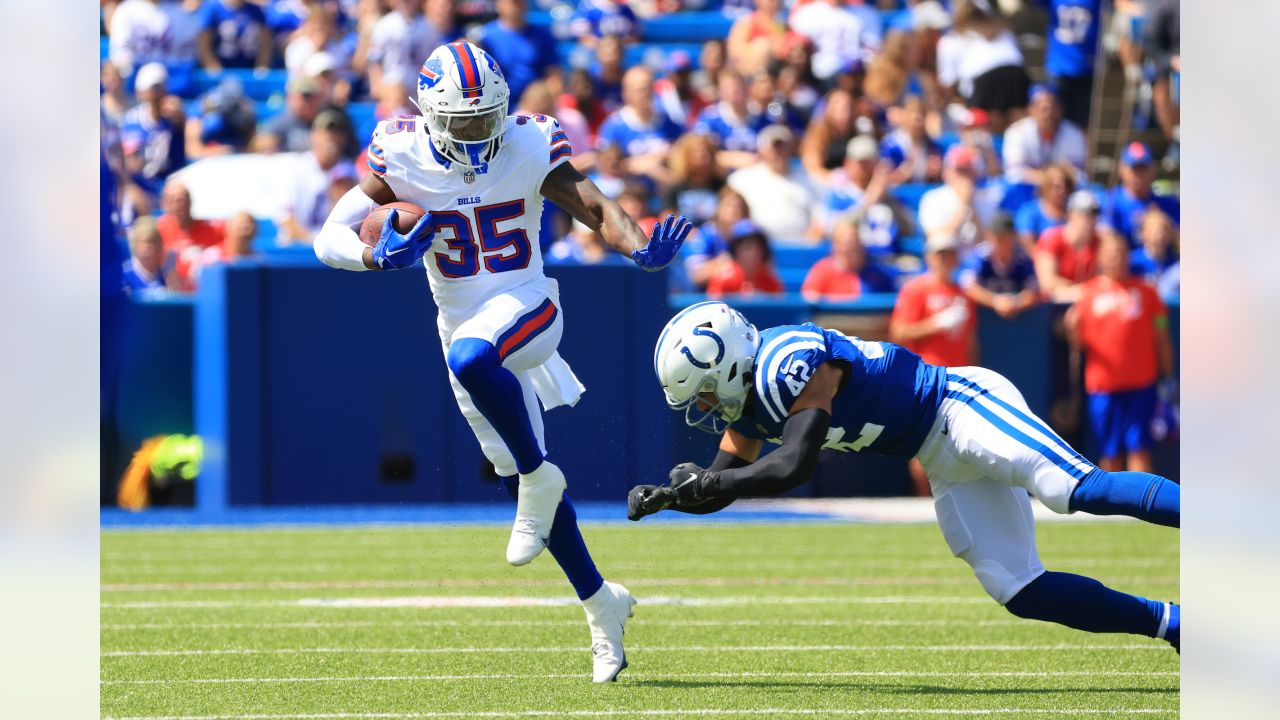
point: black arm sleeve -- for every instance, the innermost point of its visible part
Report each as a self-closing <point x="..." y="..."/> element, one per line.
<point x="785" y="468"/>
<point x="723" y="461"/>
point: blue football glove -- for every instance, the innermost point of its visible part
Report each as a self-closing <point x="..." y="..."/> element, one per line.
<point x="664" y="243"/>
<point x="395" y="251"/>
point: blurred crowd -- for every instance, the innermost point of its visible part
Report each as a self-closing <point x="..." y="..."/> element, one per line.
<point x="890" y="146"/>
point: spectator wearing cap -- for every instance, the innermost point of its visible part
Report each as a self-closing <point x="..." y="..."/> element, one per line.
<point x="780" y="198"/>
<point x="234" y="34"/>
<point x="226" y="122"/>
<point x="1066" y="255"/>
<point x="998" y="274"/>
<point x="933" y="317"/>
<point x="524" y="52"/>
<point x="696" y="178"/>
<point x="178" y="228"/>
<point x="152" y="134"/>
<point x="827" y="138"/>
<point x="753" y="37"/>
<point x="595" y="19"/>
<point x="979" y="61"/>
<point x="313" y="174"/>
<point x="1042" y="138"/>
<point x="973" y="126"/>
<point x="706" y="251"/>
<point x="859" y="191"/>
<point x="674" y="91"/>
<point x="1072" y="44"/>
<point x="956" y="210"/>
<point x="913" y="155"/>
<point x="291" y="129"/>
<point x="837" y="35"/>
<point x="845" y="274"/>
<point x="732" y="122"/>
<point x="750" y="271"/>
<point x="1128" y="202"/>
<point x="1155" y="260"/>
<point x="1123" y="328"/>
<point x="639" y="128"/>
<point x="1049" y="207"/>
<point x="143" y="271"/>
<point x="399" y="42"/>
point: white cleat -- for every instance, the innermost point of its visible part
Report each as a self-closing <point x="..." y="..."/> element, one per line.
<point x="607" y="613"/>
<point x="536" y="503"/>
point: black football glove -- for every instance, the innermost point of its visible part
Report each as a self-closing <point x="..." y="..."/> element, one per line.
<point x="690" y="484"/>
<point x="648" y="499"/>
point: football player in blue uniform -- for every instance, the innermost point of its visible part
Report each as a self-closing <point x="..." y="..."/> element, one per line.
<point x="807" y="388"/>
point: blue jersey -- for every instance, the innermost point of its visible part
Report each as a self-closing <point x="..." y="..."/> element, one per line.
<point x="236" y="32"/>
<point x="1032" y="220"/>
<point x="887" y="404"/>
<point x="637" y="139"/>
<point x="1123" y="212"/>
<point x="730" y="136"/>
<point x="983" y="270"/>
<point x="1073" y="37"/>
<point x="524" y="55"/>
<point x="600" y="19"/>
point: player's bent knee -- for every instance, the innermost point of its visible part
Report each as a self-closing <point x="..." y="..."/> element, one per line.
<point x="998" y="581"/>
<point x="472" y="359"/>
<point x="1054" y="488"/>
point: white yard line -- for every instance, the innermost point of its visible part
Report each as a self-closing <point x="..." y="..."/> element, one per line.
<point x="790" y="622"/>
<point x="686" y="712"/>
<point x="643" y="648"/>
<point x="494" y="601"/>
<point x="654" y="676"/>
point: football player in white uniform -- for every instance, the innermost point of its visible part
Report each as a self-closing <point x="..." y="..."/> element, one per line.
<point x="482" y="175"/>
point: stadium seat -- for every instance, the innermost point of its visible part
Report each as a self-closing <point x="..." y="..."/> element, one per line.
<point x="912" y="245"/>
<point x="686" y="27"/>
<point x="792" y="277"/>
<point x="572" y="54"/>
<point x="267" y="235"/>
<point x="257" y="85"/>
<point x="909" y="194"/>
<point x="798" y="257"/>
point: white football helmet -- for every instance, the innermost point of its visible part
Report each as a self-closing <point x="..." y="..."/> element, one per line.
<point x="463" y="97"/>
<point x="707" y="348"/>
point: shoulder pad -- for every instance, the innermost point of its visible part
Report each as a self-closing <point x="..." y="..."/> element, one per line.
<point x="553" y="136"/>
<point x="786" y="361"/>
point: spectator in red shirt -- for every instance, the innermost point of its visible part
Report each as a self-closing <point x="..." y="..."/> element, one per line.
<point x="751" y="269"/>
<point x="178" y="228"/>
<point x="1065" y="254"/>
<point x="845" y="274"/>
<point x="237" y="245"/>
<point x="933" y="317"/>
<point x="1122" y="326"/>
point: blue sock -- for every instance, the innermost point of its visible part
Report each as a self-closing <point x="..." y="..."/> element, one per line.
<point x="567" y="546"/>
<point x="1136" y="494"/>
<point x="1086" y="604"/>
<point x="498" y="396"/>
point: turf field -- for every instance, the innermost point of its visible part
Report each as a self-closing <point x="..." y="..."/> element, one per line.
<point x="735" y="620"/>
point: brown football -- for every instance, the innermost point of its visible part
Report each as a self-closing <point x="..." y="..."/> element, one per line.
<point x="407" y="215"/>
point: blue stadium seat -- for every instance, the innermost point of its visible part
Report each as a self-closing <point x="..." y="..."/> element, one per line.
<point x="571" y="54"/>
<point x="258" y="86"/>
<point x="267" y="235"/>
<point x="909" y="194"/>
<point x="912" y="245"/>
<point x="792" y="277"/>
<point x="798" y="257"/>
<point x="686" y="27"/>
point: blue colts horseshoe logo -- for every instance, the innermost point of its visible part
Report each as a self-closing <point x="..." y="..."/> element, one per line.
<point x="719" y="350"/>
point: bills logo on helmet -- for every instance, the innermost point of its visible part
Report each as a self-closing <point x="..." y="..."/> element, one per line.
<point x="430" y="74"/>
<point x="493" y="66"/>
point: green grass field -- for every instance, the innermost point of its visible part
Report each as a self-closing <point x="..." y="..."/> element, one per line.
<point x="790" y="620"/>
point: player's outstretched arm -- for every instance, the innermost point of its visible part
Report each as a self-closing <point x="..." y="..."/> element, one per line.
<point x="338" y="243"/>
<point x="581" y="198"/>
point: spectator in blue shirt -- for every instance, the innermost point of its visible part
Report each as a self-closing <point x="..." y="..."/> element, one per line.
<point x="1157" y="255"/>
<point x="234" y="34"/>
<point x="144" y="270"/>
<point x="1073" y="41"/>
<point x="152" y="133"/>
<point x="998" y="274"/>
<point x="524" y="52"/>
<point x="1049" y="207"/>
<point x="642" y="131"/>
<point x="908" y="149"/>
<point x="597" y="18"/>
<point x="1127" y="202"/>
<point x="732" y="122"/>
<point x="706" y="252"/>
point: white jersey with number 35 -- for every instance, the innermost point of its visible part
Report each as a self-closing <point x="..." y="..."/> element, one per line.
<point x="487" y="221"/>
